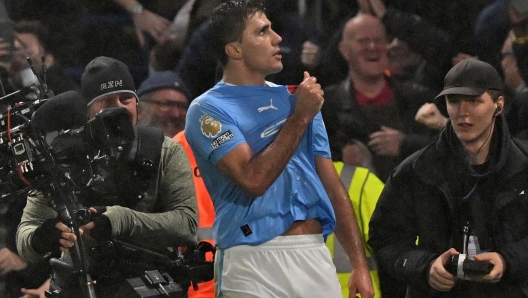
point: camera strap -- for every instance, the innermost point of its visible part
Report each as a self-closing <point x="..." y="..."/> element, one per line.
<point x="148" y="155"/>
<point x="150" y="140"/>
<point x="143" y="155"/>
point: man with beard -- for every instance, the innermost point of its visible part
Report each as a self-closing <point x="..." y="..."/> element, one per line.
<point x="157" y="211"/>
<point x="163" y="102"/>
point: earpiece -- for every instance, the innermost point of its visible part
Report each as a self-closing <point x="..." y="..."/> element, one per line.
<point x="498" y="110"/>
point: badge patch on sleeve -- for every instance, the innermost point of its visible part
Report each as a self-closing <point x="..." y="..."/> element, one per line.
<point x="221" y="139"/>
<point x="210" y="126"/>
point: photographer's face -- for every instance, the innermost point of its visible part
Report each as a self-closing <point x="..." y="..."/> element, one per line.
<point x="472" y="117"/>
<point x="125" y="100"/>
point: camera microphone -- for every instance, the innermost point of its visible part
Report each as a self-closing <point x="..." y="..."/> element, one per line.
<point x="63" y="111"/>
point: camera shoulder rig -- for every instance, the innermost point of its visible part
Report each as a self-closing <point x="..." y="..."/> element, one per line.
<point x="145" y="156"/>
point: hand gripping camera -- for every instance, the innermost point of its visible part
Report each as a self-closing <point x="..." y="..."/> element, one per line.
<point x="466" y="269"/>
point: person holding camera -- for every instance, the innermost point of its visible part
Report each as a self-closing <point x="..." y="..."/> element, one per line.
<point x="162" y="215"/>
<point x="452" y="218"/>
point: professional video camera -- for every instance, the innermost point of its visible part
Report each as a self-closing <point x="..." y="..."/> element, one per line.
<point x="47" y="144"/>
<point x="36" y="135"/>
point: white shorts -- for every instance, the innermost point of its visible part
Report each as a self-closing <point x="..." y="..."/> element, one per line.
<point x="285" y="267"/>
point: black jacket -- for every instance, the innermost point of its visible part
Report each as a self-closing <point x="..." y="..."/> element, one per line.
<point x="345" y="118"/>
<point x="423" y="200"/>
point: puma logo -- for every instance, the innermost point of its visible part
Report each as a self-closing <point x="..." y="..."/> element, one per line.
<point x="271" y="106"/>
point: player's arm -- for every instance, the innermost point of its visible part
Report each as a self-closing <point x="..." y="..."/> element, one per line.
<point x="347" y="230"/>
<point x="255" y="172"/>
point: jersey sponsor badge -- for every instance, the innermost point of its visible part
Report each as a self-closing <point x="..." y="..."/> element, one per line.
<point x="221" y="139"/>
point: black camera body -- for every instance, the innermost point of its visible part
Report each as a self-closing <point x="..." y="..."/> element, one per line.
<point x="153" y="285"/>
<point x="467" y="269"/>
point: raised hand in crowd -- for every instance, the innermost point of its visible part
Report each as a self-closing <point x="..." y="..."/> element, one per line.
<point x="145" y="21"/>
<point x="310" y="55"/>
<point x="152" y="24"/>
<point x="430" y="116"/>
<point x="374" y="7"/>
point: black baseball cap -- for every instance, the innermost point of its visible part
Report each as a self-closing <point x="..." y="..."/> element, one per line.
<point x="103" y="76"/>
<point x="471" y="77"/>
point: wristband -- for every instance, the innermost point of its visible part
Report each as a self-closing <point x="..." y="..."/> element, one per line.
<point x="46" y="237"/>
<point x="102" y="230"/>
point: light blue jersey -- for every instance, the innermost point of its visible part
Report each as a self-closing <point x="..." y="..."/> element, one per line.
<point x="227" y="116"/>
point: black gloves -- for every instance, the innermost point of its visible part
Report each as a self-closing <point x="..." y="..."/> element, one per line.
<point x="102" y="230"/>
<point x="46" y="237"/>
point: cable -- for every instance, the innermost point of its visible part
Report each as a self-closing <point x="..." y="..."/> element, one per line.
<point x="490" y="128"/>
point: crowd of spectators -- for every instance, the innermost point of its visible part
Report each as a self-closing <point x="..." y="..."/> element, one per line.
<point x="380" y="70"/>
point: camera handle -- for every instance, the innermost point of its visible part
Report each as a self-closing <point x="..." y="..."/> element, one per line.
<point x="77" y="252"/>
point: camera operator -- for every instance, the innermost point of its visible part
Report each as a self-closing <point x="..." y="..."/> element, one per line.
<point x="165" y="217"/>
<point x="464" y="195"/>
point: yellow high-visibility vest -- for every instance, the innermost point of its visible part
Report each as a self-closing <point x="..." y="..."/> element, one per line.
<point x="364" y="189"/>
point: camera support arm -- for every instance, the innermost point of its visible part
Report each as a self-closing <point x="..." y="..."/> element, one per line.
<point x="64" y="201"/>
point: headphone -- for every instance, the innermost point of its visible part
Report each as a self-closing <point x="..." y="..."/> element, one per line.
<point x="497" y="111"/>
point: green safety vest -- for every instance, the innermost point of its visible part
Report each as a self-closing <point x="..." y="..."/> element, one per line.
<point x="364" y="189"/>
